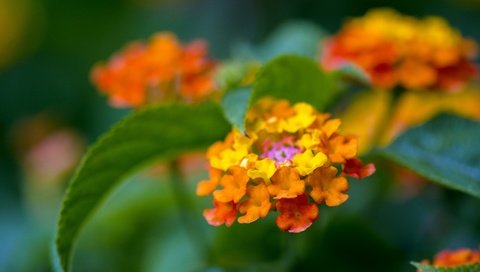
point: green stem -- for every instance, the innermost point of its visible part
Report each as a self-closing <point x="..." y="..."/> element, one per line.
<point x="186" y="206"/>
<point x="290" y="253"/>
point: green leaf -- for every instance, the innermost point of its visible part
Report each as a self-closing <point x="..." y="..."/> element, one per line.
<point x="295" y="78"/>
<point x="460" y="268"/>
<point x="153" y="133"/>
<point x="235" y="104"/>
<point x="352" y="71"/>
<point x="233" y="73"/>
<point x="444" y="150"/>
<point x="295" y="37"/>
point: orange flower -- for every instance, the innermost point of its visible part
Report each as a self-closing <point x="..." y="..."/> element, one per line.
<point x="222" y="213"/>
<point x="286" y="183"/>
<point x="205" y="187"/>
<point x="425" y="75"/>
<point x="327" y="187"/>
<point x="376" y="55"/>
<point x="426" y="56"/>
<point x="452" y="258"/>
<point x="457" y="257"/>
<point x="163" y="69"/>
<point x="355" y="168"/>
<point x="342" y="148"/>
<point x="285" y="152"/>
<point x="257" y="205"/>
<point x="296" y="214"/>
<point x="234" y="185"/>
<point x="394" y="49"/>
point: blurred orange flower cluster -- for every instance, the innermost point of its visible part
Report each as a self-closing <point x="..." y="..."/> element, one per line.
<point x="398" y="50"/>
<point x="161" y="70"/>
<point x="290" y="159"/>
<point x="449" y="258"/>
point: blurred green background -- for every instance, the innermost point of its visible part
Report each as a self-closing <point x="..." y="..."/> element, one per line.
<point x="47" y="48"/>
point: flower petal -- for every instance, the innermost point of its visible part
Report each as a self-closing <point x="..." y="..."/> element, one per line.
<point x="222" y="213"/>
<point x="257" y="205"/>
<point x="263" y="169"/>
<point x="342" y="148"/>
<point x="286" y="183"/>
<point x="306" y="162"/>
<point x="296" y="214"/>
<point x="234" y="185"/>
<point x="205" y="187"/>
<point x="327" y="187"/>
<point x="355" y="168"/>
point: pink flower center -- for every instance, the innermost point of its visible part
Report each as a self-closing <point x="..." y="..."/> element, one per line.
<point x="281" y="152"/>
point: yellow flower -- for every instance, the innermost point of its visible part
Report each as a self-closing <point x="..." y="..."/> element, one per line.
<point x="228" y="157"/>
<point x="304" y="117"/>
<point x="309" y="140"/>
<point x="263" y="169"/>
<point x="306" y="162"/>
<point x="231" y="156"/>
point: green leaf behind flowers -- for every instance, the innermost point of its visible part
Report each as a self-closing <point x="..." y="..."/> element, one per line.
<point x="235" y="104"/>
<point x="297" y="79"/>
<point x="445" y="150"/>
<point x="152" y="133"/>
<point x="353" y="72"/>
<point x="295" y="37"/>
<point x="291" y="77"/>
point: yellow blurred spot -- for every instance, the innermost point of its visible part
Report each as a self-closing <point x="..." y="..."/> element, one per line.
<point x="416" y="108"/>
<point x="20" y="28"/>
<point x="365" y="116"/>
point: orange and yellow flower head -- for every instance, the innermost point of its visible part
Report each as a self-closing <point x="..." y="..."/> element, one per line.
<point x="160" y="70"/>
<point x="397" y="50"/>
<point x="290" y="158"/>
<point x="459" y="257"/>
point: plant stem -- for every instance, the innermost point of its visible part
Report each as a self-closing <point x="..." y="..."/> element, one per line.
<point x="186" y="206"/>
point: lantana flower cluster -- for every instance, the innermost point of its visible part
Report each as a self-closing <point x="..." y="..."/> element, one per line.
<point x="398" y="50"/>
<point x="289" y="159"/>
<point x="452" y="258"/>
<point x="162" y="69"/>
